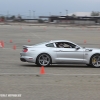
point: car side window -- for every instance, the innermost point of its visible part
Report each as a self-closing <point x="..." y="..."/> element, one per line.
<point x="65" y="45"/>
<point x="59" y="45"/>
<point x="50" y="45"/>
<point x="71" y="45"/>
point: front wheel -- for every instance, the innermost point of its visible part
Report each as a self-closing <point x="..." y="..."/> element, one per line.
<point x="95" y="60"/>
<point x="43" y="60"/>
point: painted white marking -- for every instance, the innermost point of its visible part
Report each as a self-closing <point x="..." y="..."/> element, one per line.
<point x="45" y="84"/>
<point x="37" y="36"/>
<point x="49" y="74"/>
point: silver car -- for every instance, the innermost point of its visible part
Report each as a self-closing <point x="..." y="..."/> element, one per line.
<point x="60" y="52"/>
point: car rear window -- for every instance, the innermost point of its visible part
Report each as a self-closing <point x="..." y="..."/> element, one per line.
<point x="50" y="45"/>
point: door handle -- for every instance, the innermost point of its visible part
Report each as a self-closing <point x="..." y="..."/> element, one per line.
<point x="59" y="51"/>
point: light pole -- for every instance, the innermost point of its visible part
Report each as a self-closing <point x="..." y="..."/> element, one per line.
<point x="33" y="14"/>
<point x="30" y="14"/>
<point x="49" y="13"/>
<point x="60" y="13"/>
<point x="66" y="15"/>
<point x="7" y="13"/>
<point x="66" y="12"/>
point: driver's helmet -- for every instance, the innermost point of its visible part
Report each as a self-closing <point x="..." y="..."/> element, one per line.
<point x="61" y="45"/>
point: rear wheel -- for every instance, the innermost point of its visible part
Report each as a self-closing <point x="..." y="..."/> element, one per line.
<point x="43" y="60"/>
<point x="95" y="60"/>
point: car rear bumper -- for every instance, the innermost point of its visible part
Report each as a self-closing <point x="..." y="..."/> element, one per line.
<point x="27" y="59"/>
<point x="23" y="60"/>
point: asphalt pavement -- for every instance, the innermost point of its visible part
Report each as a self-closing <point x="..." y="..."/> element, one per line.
<point x="23" y="81"/>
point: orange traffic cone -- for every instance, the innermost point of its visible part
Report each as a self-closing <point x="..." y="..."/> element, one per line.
<point x="10" y="41"/>
<point x="42" y="70"/>
<point x="20" y="27"/>
<point x="84" y="41"/>
<point x="14" y="47"/>
<point x="29" y="41"/>
<point x="2" y="43"/>
<point x="98" y="29"/>
<point x="44" y="28"/>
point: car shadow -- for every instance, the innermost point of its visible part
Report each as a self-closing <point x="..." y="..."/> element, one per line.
<point x="28" y="65"/>
<point x="60" y="65"/>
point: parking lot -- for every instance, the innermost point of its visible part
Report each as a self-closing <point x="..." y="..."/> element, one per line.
<point x="60" y="82"/>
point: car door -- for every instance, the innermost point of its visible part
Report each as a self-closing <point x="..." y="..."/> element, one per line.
<point x="69" y="55"/>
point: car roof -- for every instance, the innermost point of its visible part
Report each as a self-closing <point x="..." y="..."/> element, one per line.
<point x="52" y="41"/>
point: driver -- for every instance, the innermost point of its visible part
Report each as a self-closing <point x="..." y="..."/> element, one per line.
<point x="61" y="45"/>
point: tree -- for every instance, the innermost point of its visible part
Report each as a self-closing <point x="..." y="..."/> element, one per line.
<point x="94" y="13"/>
<point x="40" y="21"/>
<point x="19" y="17"/>
<point x="73" y="15"/>
<point x="12" y="17"/>
<point x="2" y="18"/>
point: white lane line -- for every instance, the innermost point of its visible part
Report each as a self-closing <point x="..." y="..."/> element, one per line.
<point x="72" y="74"/>
<point x="19" y="73"/>
<point x="43" y="84"/>
<point x="49" y="74"/>
<point x="37" y="36"/>
<point x="40" y="84"/>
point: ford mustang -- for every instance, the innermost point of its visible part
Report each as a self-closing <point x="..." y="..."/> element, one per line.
<point x="60" y="52"/>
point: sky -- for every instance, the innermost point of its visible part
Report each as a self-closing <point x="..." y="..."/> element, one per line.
<point x="47" y="7"/>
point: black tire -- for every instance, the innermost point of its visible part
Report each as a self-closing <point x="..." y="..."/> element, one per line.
<point x="43" y="59"/>
<point x="95" y="60"/>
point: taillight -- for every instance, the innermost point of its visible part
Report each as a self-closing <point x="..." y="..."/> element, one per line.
<point x="25" y="50"/>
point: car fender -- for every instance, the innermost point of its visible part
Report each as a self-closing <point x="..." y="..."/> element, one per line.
<point x="48" y="51"/>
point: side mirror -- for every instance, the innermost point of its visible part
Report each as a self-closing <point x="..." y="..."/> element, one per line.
<point x="77" y="47"/>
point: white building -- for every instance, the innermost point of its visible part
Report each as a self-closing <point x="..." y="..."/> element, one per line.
<point x="87" y="14"/>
